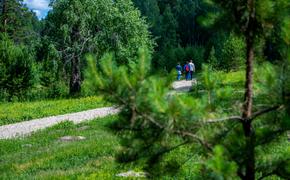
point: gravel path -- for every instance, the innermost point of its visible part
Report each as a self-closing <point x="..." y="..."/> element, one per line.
<point x="27" y="127"/>
<point x="183" y="86"/>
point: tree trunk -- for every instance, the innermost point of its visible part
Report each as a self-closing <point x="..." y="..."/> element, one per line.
<point x="75" y="80"/>
<point x="248" y="104"/>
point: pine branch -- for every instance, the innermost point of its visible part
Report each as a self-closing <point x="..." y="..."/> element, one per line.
<point x="270" y="137"/>
<point x="171" y="148"/>
<point x="239" y="118"/>
<point x="179" y="132"/>
<point x="196" y="162"/>
<point x="267" y="175"/>
<point x="231" y="118"/>
<point x="264" y="111"/>
<point x="153" y="121"/>
<point x="195" y="137"/>
<point x="277" y="171"/>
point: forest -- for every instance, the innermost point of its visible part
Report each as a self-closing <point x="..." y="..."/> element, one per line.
<point x="232" y="123"/>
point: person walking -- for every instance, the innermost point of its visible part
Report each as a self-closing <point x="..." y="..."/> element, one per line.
<point x="186" y="69"/>
<point x="178" y="69"/>
<point x="191" y="69"/>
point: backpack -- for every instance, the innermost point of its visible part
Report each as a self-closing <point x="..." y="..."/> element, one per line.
<point x="186" y="68"/>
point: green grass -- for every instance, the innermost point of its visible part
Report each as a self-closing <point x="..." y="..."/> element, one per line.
<point x="43" y="156"/>
<point x="232" y="78"/>
<point x="22" y="111"/>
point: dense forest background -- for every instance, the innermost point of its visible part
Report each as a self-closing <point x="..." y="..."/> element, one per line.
<point x="45" y="58"/>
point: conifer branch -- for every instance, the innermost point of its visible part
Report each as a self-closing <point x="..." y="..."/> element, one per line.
<point x="231" y="118"/>
<point x="264" y="111"/>
<point x="239" y="118"/>
<point x="179" y="132"/>
<point x="171" y="148"/>
<point x="277" y="171"/>
<point x="271" y="137"/>
<point x="267" y="175"/>
<point x="195" y="137"/>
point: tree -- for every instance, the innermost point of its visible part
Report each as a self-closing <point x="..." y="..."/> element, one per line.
<point x="78" y="27"/>
<point x="17" y="70"/>
<point x="175" y="26"/>
<point x="150" y="9"/>
<point x="18" y="36"/>
<point x="159" y="124"/>
<point x="18" y="21"/>
<point x="233" y="53"/>
<point x="169" y="28"/>
<point x="212" y="60"/>
<point x="250" y="18"/>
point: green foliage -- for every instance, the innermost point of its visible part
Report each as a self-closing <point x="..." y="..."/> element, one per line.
<point x="169" y="28"/>
<point x="23" y="111"/>
<point x="19" y="38"/>
<point x="152" y="123"/>
<point x="212" y="60"/>
<point x="175" y="28"/>
<point x="150" y="9"/>
<point x="18" y="22"/>
<point x="103" y="26"/>
<point x="50" y="63"/>
<point x="48" y="158"/>
<point x="233" y="53"/>
<point x="231" y="16"/>
<point x="220" y="167"/>
<point x="17" y="69"/>
<point x="52" y="76"/>
<point x="78" y="27"/>
<point x="168" y="58"/>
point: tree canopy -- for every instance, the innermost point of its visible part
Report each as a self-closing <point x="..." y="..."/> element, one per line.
<point x="78" y="27"/>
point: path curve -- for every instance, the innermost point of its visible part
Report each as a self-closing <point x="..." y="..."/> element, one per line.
<point x="27" y="127"/>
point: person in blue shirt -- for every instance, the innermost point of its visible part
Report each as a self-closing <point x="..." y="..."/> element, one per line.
<point x="179" y="71"/>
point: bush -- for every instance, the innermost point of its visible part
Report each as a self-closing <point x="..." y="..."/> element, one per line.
<point x="212" y="60"/>
<point x="233" y="53"/>
<point x="17" y="70"/>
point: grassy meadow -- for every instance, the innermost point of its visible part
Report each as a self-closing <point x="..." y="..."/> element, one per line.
<point x="43" y="156"/>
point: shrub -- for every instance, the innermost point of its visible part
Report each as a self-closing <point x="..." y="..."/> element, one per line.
<point x="212" y="60"/>
<point x="17" y="69"/>
<point x="233" y="53"/>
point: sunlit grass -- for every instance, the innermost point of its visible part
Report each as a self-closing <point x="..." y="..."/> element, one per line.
<point x="43" y="156"/>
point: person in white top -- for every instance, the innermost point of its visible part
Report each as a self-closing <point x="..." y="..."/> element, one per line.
<point x="191" y="68"/>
